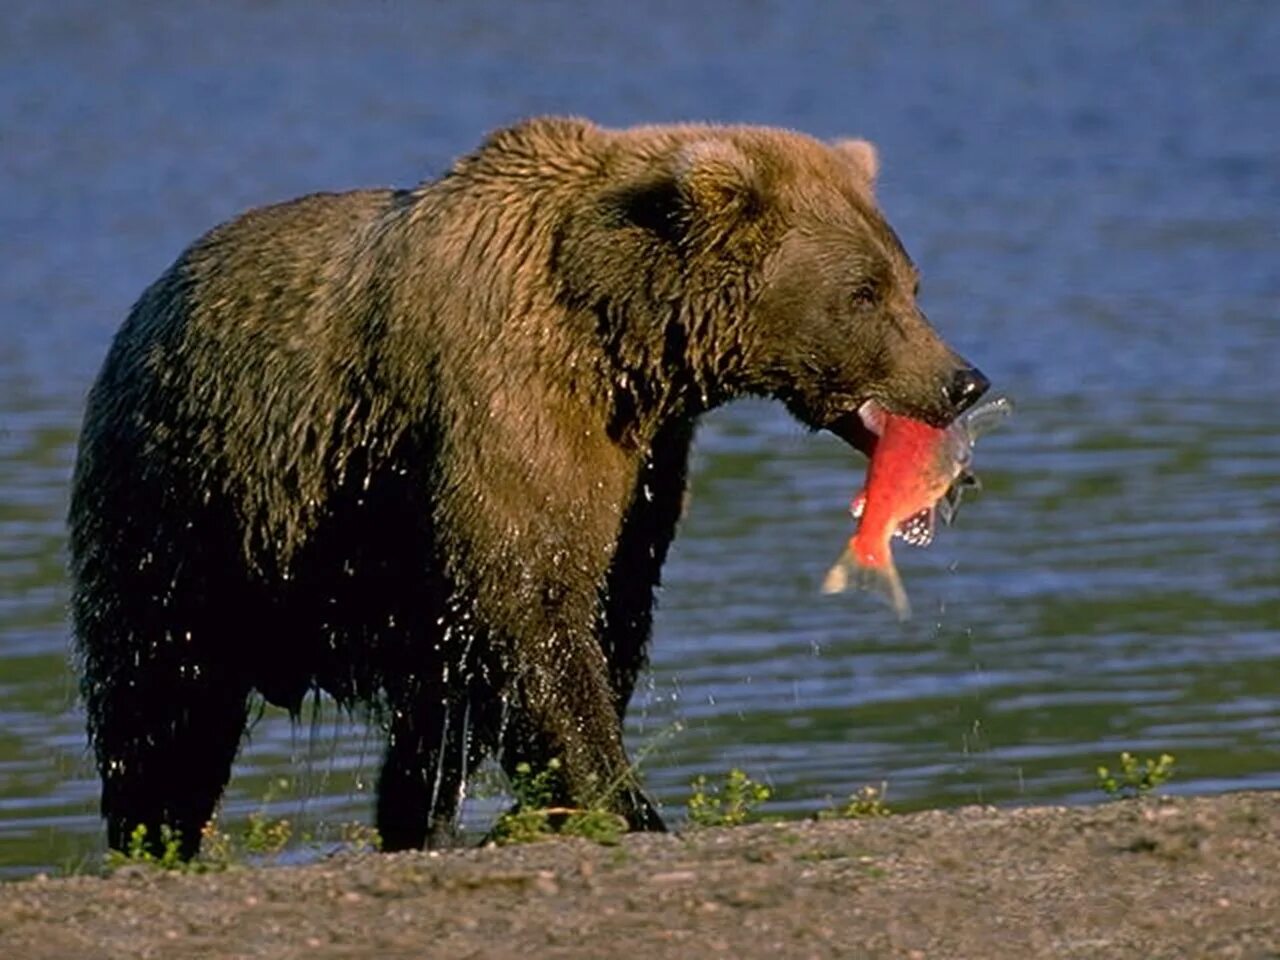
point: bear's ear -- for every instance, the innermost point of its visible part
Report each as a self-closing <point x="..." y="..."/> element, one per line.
<point x="714" y="176"/>
<point x="864" y="157"/>
<point x="708" y="181"/>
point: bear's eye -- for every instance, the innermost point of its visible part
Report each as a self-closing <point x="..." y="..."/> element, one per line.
<point x="865" y="295"/>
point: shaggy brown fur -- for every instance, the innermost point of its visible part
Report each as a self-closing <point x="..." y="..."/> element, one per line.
<point x="426" y="449"/>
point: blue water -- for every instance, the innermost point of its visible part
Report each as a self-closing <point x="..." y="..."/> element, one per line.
<point x="1093" y="194"/>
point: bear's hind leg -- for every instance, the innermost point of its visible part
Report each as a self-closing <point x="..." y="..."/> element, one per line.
<point x="433" y="745"/>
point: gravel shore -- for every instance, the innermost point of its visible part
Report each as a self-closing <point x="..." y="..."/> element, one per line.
<point x="1171" y="878"/>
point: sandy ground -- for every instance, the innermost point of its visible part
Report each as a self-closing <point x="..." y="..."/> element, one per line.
<point x="1185" y="878"/>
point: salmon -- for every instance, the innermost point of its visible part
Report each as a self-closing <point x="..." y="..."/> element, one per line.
<point x="917" y="472"/>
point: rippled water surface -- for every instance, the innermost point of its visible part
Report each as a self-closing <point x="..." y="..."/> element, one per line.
<point x="1093" y="195"/>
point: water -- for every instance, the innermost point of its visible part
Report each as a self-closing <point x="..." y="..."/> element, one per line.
<point x="1093" y="194"/>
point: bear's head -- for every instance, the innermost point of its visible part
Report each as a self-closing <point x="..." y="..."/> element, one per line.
<point x="755" y="261"/>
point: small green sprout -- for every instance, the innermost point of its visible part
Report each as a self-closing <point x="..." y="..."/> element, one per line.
<point x="1135" y="778"/>
<point x="599" y="826"/>
<point x="138" y="851"/>
<point x="866" y="803"/>
<point x="536" y="791"/>
<point x="265" y="835"/>
<point x="537" y="817"/>
<point x="730" y="804"/>
<point x="360" y="837"/>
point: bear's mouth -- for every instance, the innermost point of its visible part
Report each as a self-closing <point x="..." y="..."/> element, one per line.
<point x="860" y="427"/>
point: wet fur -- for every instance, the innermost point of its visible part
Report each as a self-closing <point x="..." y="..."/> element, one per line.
<point x="426" y="450"/>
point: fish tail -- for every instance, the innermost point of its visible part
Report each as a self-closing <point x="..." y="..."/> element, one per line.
<point x="837" y="578"/>
<point x="881" y="579"/>
<point x="885" y="581"/>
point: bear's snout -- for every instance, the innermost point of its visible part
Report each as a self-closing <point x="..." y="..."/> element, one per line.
<point x="965" y="387"/>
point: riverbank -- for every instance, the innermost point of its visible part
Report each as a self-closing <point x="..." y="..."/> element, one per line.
<point x="1170" y="878"/>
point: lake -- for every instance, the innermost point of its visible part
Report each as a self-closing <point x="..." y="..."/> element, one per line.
<point x="1092" y="192"/>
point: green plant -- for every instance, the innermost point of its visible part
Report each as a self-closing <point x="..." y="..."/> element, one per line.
<point x="731" y="803"/>
<point x="599" y="826"/>
<point x="536" y="791"/>
<point x="139" y="852"/>
<point x="537" y="817"/>
<point x="1136" y="777"/>
<point x="865" y="803"/>
<point x="265" y="835"/>
<point x="262" y="836"/>
<point x="521" y="826"/>
<point x="360" y="837"/>
<point x="217" y="848"/>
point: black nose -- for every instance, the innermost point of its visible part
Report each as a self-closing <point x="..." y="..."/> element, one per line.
<point x="966" y="386"/>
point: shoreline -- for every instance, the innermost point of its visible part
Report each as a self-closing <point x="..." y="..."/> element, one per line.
<point x="1152" y="878"/>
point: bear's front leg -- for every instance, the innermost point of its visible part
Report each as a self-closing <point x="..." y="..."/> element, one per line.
<point x="529" y="522"/>
<point x="563" y="709"/>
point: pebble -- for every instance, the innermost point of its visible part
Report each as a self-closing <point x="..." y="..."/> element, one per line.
<point x="545" y="882"/>
<point x="673" y="877"/>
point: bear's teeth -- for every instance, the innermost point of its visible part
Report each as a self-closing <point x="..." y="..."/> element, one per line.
<point x="872" y="416"/>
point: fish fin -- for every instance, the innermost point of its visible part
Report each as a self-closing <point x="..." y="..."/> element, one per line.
<point x="858" y="504"/>
<point x="949" y="505"/>
<point x="985" y="418"/>
<point x="883" y="580"/>
<point x="918" y="528"/>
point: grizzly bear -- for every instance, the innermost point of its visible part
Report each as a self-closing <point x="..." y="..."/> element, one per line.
<point x="426" y="449"/>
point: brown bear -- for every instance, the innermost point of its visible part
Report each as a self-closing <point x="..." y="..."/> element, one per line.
<point x="426" y="449"/>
